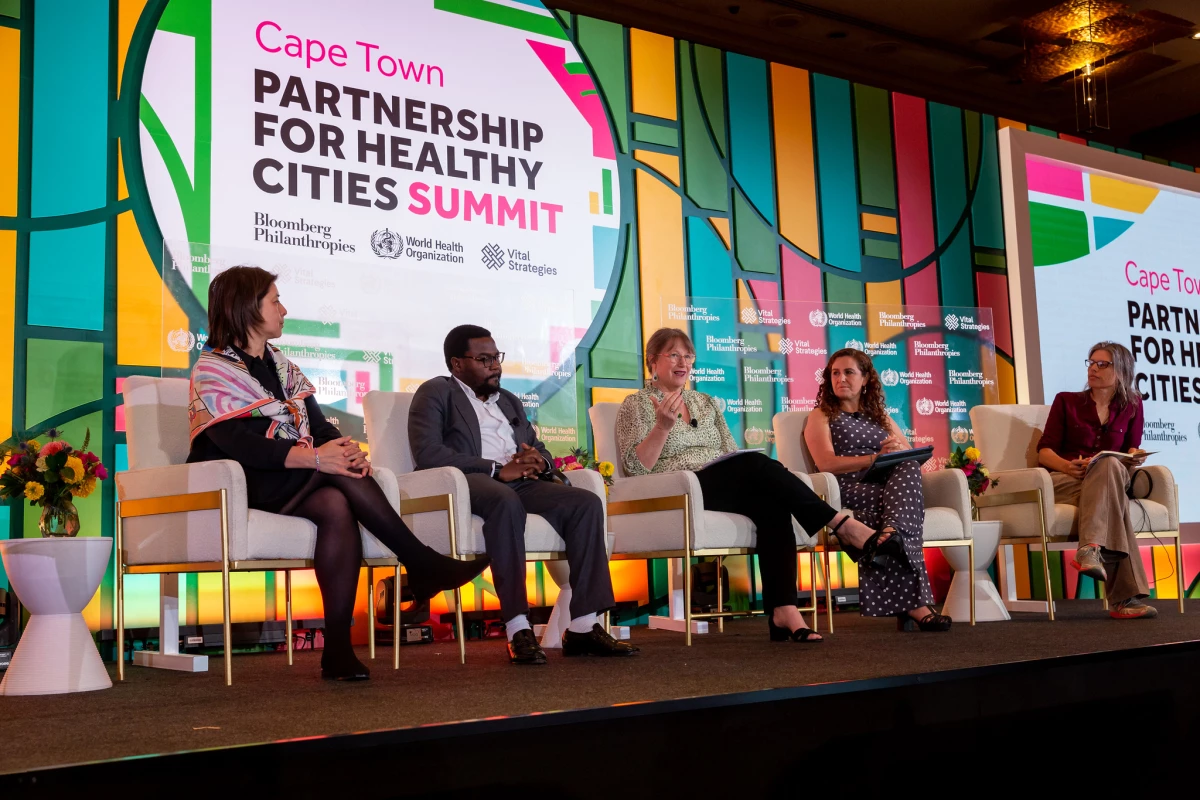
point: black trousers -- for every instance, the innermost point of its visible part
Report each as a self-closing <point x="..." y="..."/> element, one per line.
<point x="576" y="515"/>
<point x="759" y="487"/>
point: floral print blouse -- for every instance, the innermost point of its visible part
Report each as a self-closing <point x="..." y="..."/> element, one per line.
<point x="687" y="447"/>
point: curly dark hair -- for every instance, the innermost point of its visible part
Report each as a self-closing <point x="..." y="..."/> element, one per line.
<point x="871" y="404"/>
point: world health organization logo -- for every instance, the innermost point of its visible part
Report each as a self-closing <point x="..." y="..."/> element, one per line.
<point x="818" y="318"/>
<point x="181" y="340"/>
<point x="924" y="406"/>
<point x="889" y="377"/>
<point x="951" y="321"/>
<point x="493" y="256"/>
<point x="755" y="436"/>
<point x="387" y="243"/>
<point x="959" y="435"/>
<point x="854" y="344"/>
<point x="720" y="401"/>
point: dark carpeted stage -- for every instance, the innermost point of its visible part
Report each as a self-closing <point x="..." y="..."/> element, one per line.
<point x="736" y="708"/>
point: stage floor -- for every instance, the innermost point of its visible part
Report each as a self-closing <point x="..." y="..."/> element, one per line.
<point x="156" y="712"/>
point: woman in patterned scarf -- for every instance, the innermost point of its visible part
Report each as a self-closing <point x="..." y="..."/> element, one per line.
<point x="254" y="406"/>
<point x="666" y="428"/>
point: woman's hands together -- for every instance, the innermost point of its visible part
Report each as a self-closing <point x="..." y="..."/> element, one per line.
<point x="893" y="444"/>
<point x="344" y="457"/>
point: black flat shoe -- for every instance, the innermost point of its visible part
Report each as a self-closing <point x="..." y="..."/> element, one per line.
<point x="596" y="642"/>
<point x="451" y="574"/>
<point x="801" y="635"/>
<point x="523" y="648"/>
<point x="932" y="622"/>
<point x="348" y="669"/>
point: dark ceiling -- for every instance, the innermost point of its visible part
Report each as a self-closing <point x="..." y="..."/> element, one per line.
<point x="1007" y="57"/>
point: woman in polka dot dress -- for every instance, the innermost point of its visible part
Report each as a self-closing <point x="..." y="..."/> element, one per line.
<point x="847" y="431"/>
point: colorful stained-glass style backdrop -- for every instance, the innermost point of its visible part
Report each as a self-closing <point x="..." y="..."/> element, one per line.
<point x="736" y="178"/>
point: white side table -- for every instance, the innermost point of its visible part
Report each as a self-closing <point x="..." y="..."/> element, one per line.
<point x="989" y="607"/>
<point x="55" y="579"/>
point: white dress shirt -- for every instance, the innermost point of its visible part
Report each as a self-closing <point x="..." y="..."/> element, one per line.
<point x="495" y="430"/>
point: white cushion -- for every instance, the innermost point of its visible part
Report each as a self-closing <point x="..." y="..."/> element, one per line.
<point x="942" y="525"/>
<point x="539" y="537"/>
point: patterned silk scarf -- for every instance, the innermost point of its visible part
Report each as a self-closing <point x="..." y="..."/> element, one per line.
<point x="222" y="389"/>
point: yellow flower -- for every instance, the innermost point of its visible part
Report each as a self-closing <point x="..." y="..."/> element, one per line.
<point x="606" y="469"/>
<point x="4" y="467"/>
<point x="72" y="471"/>
<point x="972" y="454"/>
<point x="983" y="471"/>
<point x="84" y="488"/>
<point x="33" y="445"/>
<point x="34" y="490"/>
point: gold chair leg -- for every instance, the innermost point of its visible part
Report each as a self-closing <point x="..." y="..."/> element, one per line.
<point x="687" y="571"/>
<point x="398" y="629"/>
<point x="120" y="562"/>
<point x="1045" y="557"/>
<point x="1179" y="568"/>
<point x="828" y="591"/>
<point x="720" y="599"/>
<point x="371" y="613"/>
<point x="225" y="604"/>
<point x="812" y="585"/>
<point x="287" y="604"/>
<point x="461" y="628"/>
<point x="971" y="568"/>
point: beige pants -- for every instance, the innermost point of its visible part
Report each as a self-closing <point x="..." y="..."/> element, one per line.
<point x="1103" y="519"/>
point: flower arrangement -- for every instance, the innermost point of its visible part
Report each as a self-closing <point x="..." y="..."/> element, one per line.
<point x="582" y="459"/>
<point x="50" y="476"/>
<point x="970" y="461"/>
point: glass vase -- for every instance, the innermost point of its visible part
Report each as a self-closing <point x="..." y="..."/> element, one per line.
<point x="60" y="518"/>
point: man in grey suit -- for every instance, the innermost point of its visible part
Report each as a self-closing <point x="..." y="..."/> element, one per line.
<point x="467" y="421"/>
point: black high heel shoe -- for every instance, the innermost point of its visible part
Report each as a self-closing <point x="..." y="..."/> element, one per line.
<point x="801" y="635"/>
<point x="847" y="548"/>
<point x="932" y="622"/>
<point x="428" y="583"/>
<point x="875" y="550"/>
<point x="347" y="668"/>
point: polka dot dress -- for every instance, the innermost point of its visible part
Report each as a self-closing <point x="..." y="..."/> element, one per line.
<point x="898" y="587"/>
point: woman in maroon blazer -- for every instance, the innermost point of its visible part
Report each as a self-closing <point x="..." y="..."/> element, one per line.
<point x="1107" y="415"/>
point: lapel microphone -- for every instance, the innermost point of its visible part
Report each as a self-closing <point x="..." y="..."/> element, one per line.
<point x="694" y="424"/>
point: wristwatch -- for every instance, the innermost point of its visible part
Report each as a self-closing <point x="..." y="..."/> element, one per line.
<point x="495" y="468"/>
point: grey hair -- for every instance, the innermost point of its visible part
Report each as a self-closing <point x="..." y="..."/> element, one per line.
<point x="1122" y="361"/>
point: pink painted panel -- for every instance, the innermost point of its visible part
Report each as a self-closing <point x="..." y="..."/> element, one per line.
<point x="993" y="292"/>
<point x="1053" y="178"/>
<point x="913" y="178"/>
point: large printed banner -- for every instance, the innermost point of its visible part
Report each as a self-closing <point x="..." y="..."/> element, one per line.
<point x="760" y="358"/>
<point x="1116" y="260"/>
<point x="405" y="167"/>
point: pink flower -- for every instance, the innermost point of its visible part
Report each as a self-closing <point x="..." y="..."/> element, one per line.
<point x="969" y="470"/>
<point x="569" y="460"/>
<point x="53" y="447"/>
<point x="88" y="459"/>
<point x="558" y="463"/>
<point x="101" y="472"/>
<point x="15" y="461"/>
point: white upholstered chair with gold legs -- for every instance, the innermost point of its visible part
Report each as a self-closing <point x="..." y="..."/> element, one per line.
<point x="461" y="535"/>
<point x="947" y="498"/>
<point x="663" y="516"/>
<point x="1007" y="435"/>
<point x="174" y="517"/>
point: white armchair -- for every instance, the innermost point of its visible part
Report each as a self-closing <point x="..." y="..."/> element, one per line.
<point x="461" y="535"/>
<point x="1008" y="435"/>
<point x="175" y="517"/>
<point x="645" y="518"/>
<point x="947" y="498"/>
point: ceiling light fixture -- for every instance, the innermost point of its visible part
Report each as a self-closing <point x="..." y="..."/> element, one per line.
<point x="1196" y="35"/>
<point x="1091" y="81"/>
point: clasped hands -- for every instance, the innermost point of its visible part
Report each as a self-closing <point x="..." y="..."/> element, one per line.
<point x="893" y="444"/>
<point x="527" y="462"/>
<point x="344" y="457"/>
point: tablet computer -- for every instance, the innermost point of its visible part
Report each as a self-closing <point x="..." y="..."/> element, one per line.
<point x="882" y="468"/>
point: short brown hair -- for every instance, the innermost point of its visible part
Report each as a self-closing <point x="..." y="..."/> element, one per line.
<point x="663" y="337"/>
<point x="234" y="298"/>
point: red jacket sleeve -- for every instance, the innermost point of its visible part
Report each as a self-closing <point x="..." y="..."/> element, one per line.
<point x="1052" y="434"/>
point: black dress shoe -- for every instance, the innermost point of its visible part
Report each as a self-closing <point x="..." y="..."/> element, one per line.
<point x="523" y="648"/>
<point x="350" y="669"/>
<point x="595" y="642"/>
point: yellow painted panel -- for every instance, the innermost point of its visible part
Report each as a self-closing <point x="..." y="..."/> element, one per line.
<point x="607" y="394"/>
<point x="660" y="248"/>
<point x="878" y="223"/>
<point x="8" y="289"/>
<point x="1122" y="194"/>
<point x="141" y="321"/>
<point x="122" y="187"/>
<point x="721" y="225"/>
<point x="593" y="203"/>
<point x="1165" y="586"/>
<point x="794" y="163"/>
<point x="773" y="341"/>
<point x="665" y="163"/>
<point x="1006" y="380"/>
<point x="882" y="294"/>
<point x="652" y="62"/>
<point x="1021" y="570"/>
<point x="1001" y="122"/>
<point x="128" y="13"/>
<point x="10" y="120"/>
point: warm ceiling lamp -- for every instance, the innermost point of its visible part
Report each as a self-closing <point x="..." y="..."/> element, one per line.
<point x="1091" y="79"/>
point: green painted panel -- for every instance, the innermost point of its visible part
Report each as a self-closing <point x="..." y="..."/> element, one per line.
<point x="1043" y="131"/>
<point x="709" y="70"/>
<point x="990" y="260"/>
<point x="615" y="354"/>
<point x="842" y="290"/>
<point x="1102" y="146"/>
<point x="704" y="178"/>
<point x="1130" y="153"/>
<point x="90" y="508"/>
<point x="61" y="375"/>
<point x="754" y="242"/>
<point x="987" y="214"/>
<point x="10" y="8"/>
<point x="1058" y="234"/>
<point x="655" y="134"/>
<point x="1181" y="165"/>
<point x="1157" y="160"/>
<point x="604" y="45"/>
<point x="881" y="248"/>
<point x="873" y="130"/>
<point x="564" y="17"/>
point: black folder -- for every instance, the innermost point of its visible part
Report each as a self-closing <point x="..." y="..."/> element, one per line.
<point x="882" y="468"/>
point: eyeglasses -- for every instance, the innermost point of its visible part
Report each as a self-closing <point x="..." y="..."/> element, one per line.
<point x="488" y="360"/>
<point x="1098" y="364"/>
<point x="675" y="358"/>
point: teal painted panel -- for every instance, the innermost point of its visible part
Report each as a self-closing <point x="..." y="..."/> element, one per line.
<point x="836" y="172"/>
<point x="66" y="277"/>
<point x="750" y="131"/>
<point x="1043" y="131"/>
<point x="70" y="106"/>
<point x="1130" y="153"/>
<point x="5" y="511"/>
<point x="1108" y="229"/>
<point x="709" y="277"/>
<point x="1181" y="165"/>
<point x="987" y="216"/>
<point x="615" y="354"/>
<point x="1111" y="149"/>
<point x="950" y="202"/>
<point x="604" y="254"/>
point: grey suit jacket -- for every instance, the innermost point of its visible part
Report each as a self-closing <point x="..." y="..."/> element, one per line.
<point x="443" y="430"/>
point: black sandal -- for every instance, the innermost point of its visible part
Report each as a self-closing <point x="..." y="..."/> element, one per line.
<point x="932" y="622"/>
<point x="877" y="551"/>
<point x="849" y="549"/>
<point x="801" y="635"/>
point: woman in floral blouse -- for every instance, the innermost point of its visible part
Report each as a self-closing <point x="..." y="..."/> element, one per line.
<point x="666" y="427"/>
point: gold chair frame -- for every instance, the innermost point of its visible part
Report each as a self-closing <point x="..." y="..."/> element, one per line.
<point x="216" y="500"/>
